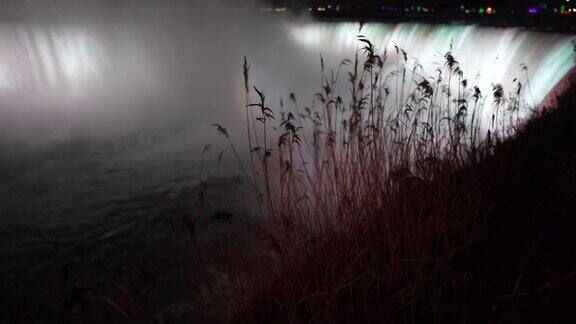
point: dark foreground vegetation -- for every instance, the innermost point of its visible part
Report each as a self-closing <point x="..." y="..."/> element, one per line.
<point x="412" y="207"/>
<point x="491" y="241"/>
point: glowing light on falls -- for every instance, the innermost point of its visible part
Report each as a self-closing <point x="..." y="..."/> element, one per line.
<point x="35" y="56"/>
<point x="486" y="55"/>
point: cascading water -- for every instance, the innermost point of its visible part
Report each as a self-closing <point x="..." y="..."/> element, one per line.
<point x="486" y="55"/>
<point x="34" y="56"/>
<point x="107" y="71"/>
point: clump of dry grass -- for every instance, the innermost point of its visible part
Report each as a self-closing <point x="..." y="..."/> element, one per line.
<point x="378" y="199"/>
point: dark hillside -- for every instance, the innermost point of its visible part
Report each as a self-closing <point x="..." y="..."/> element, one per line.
<point x="495" y="243"/>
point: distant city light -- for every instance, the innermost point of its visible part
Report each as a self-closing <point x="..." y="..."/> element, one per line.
<point x="540" y="7"/>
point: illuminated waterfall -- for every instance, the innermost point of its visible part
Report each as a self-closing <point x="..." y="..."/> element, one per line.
<point x="34" y="56"/>
<point x="118" y="66"/>
<point x="71" y="59"/>
<point x="486" y="55"/>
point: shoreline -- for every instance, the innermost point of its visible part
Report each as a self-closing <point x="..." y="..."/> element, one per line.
<point x="545" y="23"/>
<point x="549" y="23"/>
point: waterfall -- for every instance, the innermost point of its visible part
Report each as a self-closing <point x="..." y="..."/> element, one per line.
<point x="486" y="55"/>
<point x="154" y="68"/>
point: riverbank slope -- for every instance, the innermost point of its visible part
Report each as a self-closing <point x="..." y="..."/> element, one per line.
<point x="506" y="223"/>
